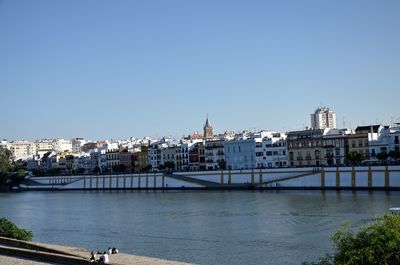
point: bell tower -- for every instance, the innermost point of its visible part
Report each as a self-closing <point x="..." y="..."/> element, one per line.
<point x="208" y="130"/>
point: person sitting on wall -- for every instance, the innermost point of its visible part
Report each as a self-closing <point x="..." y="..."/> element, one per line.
<point x="106" y="258"/>
<point x="114" y="250"/>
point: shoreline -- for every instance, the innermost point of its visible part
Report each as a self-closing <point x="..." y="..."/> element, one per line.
<point x="19" y="252"/>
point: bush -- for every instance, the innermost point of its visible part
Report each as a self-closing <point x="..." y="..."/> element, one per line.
<point x="10" y="230"/>
<point x="377" y="243"/>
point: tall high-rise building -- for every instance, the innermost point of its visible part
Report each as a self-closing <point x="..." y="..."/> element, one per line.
<point x="208" y="130"/>
<point x="323" y="118"/>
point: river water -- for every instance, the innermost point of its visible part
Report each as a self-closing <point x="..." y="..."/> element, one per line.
<point x="218" y="227"/>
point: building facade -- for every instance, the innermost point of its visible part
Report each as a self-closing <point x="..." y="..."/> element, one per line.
<point x="240" y="154"/>
<point x="305" y="148"/>
<point x="214" y="154"/>
<point x="271" y="152"/>
<point x="323" y="118"/>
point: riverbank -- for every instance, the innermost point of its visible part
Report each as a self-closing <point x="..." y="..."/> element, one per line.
<point x="23" y="252"/>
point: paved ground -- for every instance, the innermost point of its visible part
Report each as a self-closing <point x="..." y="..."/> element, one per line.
<point x="17" y="261"/>
<point x="117" y="259"/>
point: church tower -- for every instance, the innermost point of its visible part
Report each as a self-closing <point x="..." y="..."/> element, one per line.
<point x="208" y="130"/>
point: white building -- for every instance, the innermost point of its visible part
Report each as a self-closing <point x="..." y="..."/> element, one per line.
<point x="240" y="153"/>
<point x="168" y="154"/>
<point x="82" y="164"/>
<point x="386" y="139"/>
<point x="182" y="154"/>
<point x="62" y="145"/>
<point x="22" y="150"/>
<point x="43" y="146"/>
<point x="4" y="144"/>
<point x="271" y="151"/>
<point x="112" y="159"/>
<point x="323" y="118"/>
<point x="77" y="144"/>
<point x="214" y="154"/>
<point x="335" y="145"/>
<point x="154" y="156"/>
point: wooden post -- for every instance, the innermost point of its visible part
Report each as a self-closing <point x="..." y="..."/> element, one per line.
<point x="260" y="177"/>
<point x="369" y="177"/>
<point x="155" y="181"/>
<point x="322" y="178"/>
<point x="163" y="181"/>
<point x="337" y="178"/>
<point x="104" y="182"/>
<point x="97" y="182"/>
<point x="110" y="182"/>
<point x="353" y="178"/>
<point x="132" y="181"/>
<point x="252" y="176"/>
<point x="84" y="182"/>
<point x="387" y="179"/>
<point x="124" y="181"/>
<point x="139" y="180"/>
<point x="229" y="177"/>
<point x="117" y="182"/>
<point x="147" y="180"/>
<point x="222" y="177"/>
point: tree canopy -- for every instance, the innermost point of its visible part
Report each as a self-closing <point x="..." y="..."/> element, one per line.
<point x="354" y="157"/>
<point x="5" y="162"/>
<point x="10" y="230"/>
<point x="377" y="243"/>
<point x="10" y="173"/>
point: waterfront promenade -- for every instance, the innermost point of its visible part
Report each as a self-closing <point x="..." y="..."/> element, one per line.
<point x="353" y="178"/>
<point x="22" y="252"/>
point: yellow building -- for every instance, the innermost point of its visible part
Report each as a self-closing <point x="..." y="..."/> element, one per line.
<point x="141" y="161"/>
<point x="359" y="141"/>
<point x="305" y="148"/>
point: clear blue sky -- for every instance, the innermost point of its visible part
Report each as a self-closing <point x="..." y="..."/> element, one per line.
<point x="115" y="69"/>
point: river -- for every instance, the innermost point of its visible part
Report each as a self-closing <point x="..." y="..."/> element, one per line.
<point x="210" y="228"/>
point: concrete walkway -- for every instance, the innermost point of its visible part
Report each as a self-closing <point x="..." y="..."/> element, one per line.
<point x="17" y="261"/>
<point x="22" y="252"/>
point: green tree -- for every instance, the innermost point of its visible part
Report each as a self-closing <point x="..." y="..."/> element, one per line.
<point x="96" y="170"/>
<point x="5" y="161"/>
<point x="377" y="243"/>
<point x="354" y="157"/>
<point x="169" y="165"/>
<point x="394" y="154"/>
<point x="10" y="230"/>
<point x="382" y="156"/>
<point x="9" y="175"/>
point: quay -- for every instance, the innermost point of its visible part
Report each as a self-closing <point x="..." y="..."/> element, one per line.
<point x="22" y="252"/>
<point x="337" y="178"/>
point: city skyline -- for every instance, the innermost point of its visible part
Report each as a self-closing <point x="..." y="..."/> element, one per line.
<point x="102" y="70"/>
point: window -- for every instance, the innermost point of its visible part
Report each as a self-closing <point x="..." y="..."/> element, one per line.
<point x="360" y="143"/>
<point x="337" y="151"/>
<point x="353" y="143"/>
